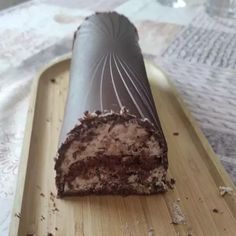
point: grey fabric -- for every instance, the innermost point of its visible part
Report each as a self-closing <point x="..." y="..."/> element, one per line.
<point x="202" y="64"/>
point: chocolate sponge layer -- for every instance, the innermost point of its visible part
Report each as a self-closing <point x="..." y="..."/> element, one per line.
<point x="111" y="153"/>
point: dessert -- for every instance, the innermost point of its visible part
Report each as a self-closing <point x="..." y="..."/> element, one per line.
<point x="111" y="140"/>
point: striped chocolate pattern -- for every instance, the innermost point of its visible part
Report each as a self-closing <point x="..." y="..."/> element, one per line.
<point x="108" y="71"/>
<point x="118" y="146"/>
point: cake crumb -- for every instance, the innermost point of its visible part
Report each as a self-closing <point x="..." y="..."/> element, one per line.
<point x="225" y="190"/>
<point x="56" y="228"/>
<point x="42" y="195"/>
<point x="50" y="234"/>
<point x="52" y="196"/>
<point x="177" y="214"/>
<point x="215" y="210"/>
<point x="18" y="215"/>
<point x="53" y="80"/>
<point x="178" y="199"/>
<point x="55" y="209"/>
<point x="151" y="232"/>
<point x="175" y="133"/>
<point x="170" y="183"/>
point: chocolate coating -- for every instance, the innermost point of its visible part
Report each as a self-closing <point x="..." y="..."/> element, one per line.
<point x="105" y="148"/>
<point x="108" y="72"/>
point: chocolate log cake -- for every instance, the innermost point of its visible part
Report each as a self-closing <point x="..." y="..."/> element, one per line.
<point x="111" y="140"/>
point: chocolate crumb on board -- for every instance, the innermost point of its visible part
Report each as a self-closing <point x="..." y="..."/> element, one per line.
<point x="177" y="214"/>
<point x="186" y="198"/>
<point x="151" y="232"/>
<point x="42" y="195"/>
<point x="50" y="234"/>
<point x="52" y="196"/>
<point x="55" y="209"/>
<point x="175" y="133"/>
<point x="56" y="228"/>
<point x="172" y="181"/>
<point x="225" y="190"/>
<point x="215" y="210"/>
<point x="53" y="80"/>
<point x="29" y="234"/>
<point x="18" y="215"/>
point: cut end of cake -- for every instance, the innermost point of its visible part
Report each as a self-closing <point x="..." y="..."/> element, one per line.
<point x="111" y="153"/>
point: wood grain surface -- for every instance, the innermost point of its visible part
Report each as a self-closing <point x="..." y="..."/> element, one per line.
<point x="197" y="171"/>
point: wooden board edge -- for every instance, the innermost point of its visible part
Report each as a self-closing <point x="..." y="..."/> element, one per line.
<point x="22" y="169"/>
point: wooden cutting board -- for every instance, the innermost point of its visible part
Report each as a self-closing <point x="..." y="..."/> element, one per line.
<point x="194" y="166"/>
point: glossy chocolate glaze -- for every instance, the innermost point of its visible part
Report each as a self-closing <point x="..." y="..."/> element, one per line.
<point x="108" y="72"/>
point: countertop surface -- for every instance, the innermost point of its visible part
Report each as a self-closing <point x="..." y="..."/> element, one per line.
<point x="195" y="50"/>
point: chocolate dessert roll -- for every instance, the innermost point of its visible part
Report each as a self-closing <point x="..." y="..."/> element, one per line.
<point x="111" y="140"/>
